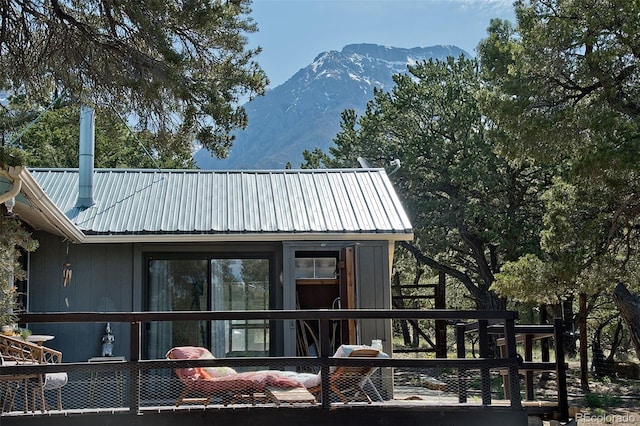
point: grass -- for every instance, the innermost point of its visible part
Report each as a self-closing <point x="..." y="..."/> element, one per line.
<point x="601" y="400"/>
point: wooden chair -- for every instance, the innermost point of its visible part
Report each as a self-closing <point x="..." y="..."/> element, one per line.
<point x="347" y="382"/>
<point x="16" y="351"/>
<point x="10" y="384"/>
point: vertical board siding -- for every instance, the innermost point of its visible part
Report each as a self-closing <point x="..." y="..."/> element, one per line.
<point x="101" y="281"/>
<point x="373" y="288"/>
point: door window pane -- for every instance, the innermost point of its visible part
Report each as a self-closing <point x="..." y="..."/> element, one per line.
<point x="240" y="284"/>
<point x="177" y="285"/>
<point x="209" y="284"/>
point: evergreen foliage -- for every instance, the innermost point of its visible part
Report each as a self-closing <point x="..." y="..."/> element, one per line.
<point x="174" y="67"/>
<point x="51" y="139"/>
<point x="14" y="242"/>
<point x="471" y="209"/>
<point x="564" y="91"/>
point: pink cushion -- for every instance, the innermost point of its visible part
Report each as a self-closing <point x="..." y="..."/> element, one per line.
<point x="187" y="352"/>
<point x="210" y="381"/>
<point x="197" y="352"/>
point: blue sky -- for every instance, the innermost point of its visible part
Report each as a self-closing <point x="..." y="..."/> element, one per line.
<point x="293" y="32"/>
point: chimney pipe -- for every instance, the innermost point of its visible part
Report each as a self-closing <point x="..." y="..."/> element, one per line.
<point x="87" y="149"/>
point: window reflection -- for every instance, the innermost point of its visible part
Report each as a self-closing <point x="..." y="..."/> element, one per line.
<point x="241" y="284"/>
<point x="209" y="284"/>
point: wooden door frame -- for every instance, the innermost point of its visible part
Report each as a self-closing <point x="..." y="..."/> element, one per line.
<point x="348" y="299"/>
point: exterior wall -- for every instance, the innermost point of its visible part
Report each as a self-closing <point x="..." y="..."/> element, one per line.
<point x="110" y="277"/>
<point x="101" y="282"/>
<point x="373" y="289"/>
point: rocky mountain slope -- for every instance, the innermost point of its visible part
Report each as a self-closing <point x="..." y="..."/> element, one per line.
<point x="304" y="112"/>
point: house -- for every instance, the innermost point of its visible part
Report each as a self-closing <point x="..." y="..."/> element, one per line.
<point x="123" y="240"/>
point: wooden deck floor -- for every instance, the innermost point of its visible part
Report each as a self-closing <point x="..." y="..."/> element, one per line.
<point x="410" y="405"/>
<point x="388" y="413"/>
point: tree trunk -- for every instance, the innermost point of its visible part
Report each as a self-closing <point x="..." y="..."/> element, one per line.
<point x="491" y="302"/>
<point x="601" y="365"/>
<point x="629" y="306"/>
<point x="584" y="361"/>
<point x="617" y="340"/>
<point x="570" y="347"/>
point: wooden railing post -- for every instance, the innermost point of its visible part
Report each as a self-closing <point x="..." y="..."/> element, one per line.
<point x="134" y="372"/>
<point x="514" y="377"/>
<point x="325" y="352"/>
<point x="483" y="346"/>
<point x="561" y="371"/>
<point x="528" y="375"/>
<point x="462" y="372"/>
<point x="441" y="325"/>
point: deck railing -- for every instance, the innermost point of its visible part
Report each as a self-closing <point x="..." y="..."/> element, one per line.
<point x="133" y="383"/>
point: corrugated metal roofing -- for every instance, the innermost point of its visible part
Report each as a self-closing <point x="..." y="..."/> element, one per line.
<point x="147" y="201"/>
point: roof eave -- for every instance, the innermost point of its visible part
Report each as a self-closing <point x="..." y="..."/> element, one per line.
<point x="246" y="236"/>
<point x="46" y="209"/>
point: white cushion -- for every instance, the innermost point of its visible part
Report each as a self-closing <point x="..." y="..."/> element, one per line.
<point x="54" y="380"/>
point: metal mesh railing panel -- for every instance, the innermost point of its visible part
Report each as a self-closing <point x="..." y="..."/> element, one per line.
<point x="86" y="387"/>
<point x="118" y="386"/>
<point x="448" y="386"/>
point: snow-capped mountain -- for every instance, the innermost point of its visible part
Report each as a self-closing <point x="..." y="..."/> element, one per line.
<point x="304" y="112"/>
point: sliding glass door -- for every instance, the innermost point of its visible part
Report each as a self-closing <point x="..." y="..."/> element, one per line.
<point x="209" y="283"/>
<point x="240" y="285"/>
<point x="177" y="285"/>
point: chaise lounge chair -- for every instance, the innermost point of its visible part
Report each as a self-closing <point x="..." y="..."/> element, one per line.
<point x="347" y="382"/>
<point x="202" y="384"/>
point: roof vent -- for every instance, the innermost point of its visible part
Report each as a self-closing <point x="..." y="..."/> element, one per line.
<point x="364" y="163"/>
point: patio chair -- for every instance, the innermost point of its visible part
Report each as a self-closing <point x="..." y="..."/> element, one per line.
<point x="10" y="384"/>
<point x="203" y="384"/>
<point x="347" y="382"/>
<point x="15" y="351"/>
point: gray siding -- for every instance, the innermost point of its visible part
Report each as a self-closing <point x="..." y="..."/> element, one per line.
<point x="101" y="282"/>
<point x="374" y="290"/>
<point x="104" y="280"/>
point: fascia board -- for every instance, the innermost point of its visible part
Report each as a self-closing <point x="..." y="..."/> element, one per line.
<point x="242" y="237"/>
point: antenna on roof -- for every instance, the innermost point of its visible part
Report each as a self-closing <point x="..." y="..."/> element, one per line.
<point x="364" y="163"/>
<point x="135" y="137"/>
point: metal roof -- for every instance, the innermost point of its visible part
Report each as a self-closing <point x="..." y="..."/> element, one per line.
<point x="148" y="201"/>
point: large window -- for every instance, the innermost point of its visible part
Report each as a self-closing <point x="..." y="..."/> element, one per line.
<point x="217" y="284"/>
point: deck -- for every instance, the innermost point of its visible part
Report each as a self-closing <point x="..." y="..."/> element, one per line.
<point x="411" y="405"/>
<point x="442" y="391"/>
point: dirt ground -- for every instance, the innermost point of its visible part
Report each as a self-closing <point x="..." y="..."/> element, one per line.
<point x="609" y="401"/>
<point x="619" y="400"/>
<point x="614" y="401"/>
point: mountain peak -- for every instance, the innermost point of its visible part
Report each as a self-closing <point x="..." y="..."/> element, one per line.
<point x="304" y="112"/>
<point x="390" y="53"/>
